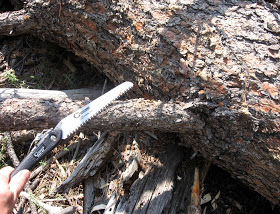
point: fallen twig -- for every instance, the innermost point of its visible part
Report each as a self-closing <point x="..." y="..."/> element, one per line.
<point x="50" y="209"/>
<point x="77" y="148"/>
<point x="10" y="149"/>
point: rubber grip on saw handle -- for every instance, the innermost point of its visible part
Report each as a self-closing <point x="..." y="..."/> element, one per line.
<point x="43" y="147"/>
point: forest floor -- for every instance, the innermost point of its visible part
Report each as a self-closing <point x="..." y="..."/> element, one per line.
<point x="27" y="62"/>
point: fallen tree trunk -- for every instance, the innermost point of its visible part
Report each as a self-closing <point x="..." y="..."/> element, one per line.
<point x="244" y="145"/>
<point x="222" y="55"/>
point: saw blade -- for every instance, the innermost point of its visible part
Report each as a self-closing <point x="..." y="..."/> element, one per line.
<point x="71" y="123"/>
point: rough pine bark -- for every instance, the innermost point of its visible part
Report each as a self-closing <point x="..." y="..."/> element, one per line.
<point x="130" y="115"/>
<point x="224" y="54"/>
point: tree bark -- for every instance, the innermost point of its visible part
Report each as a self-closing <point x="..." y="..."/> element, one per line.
<point x="223" y="55"/>
<point x="129" y="115"/>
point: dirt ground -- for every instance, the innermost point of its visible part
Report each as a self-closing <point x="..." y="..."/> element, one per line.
<point x="31" y="63"/>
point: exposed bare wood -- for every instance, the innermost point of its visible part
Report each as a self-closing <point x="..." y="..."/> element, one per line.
<point x="88" y="195"/>
<point x="132" y="157"/>
<point x="50" y="209"/>
<point x="74" y="94"/>
<point x="111" y="206"/>
<point x="152" y="193"/>
<point x="91" y="162"/>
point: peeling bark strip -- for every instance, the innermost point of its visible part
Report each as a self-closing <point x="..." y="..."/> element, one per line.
<point x="127" y="115"/>
<point x="220" y="53"/>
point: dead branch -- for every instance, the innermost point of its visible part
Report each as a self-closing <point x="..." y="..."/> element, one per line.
<point x="50" y="209"/>
<point x="74" y="94"/>
<point x="137" y="114"/>
<point x="10" y="149"/>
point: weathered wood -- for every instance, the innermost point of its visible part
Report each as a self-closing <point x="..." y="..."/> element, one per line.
<point x="182" y="194"/>
<point x="74" y="94"/>
<point x="132" y="158"/>
<point x="111" y="206"/>
<point x="95" y="158"/>
<point x="223" y="53"/>
<point x="153" y="192"/>
<point x="88" y="195"/>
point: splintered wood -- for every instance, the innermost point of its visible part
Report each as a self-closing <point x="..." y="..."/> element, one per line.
<point x="142" y="177"/>
<point x="153" y="191"/>
<point x="92" y="161"/>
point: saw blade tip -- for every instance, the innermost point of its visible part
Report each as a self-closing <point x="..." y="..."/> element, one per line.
<point x="123" y="88"/>
<point x="128" y="83"/>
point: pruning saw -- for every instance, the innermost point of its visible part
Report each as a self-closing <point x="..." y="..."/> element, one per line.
<point x="68" y="125"/>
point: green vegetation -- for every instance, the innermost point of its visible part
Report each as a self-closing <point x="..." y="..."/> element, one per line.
<point x="66" y="149"/>
<point x="58" y="196"/>
<point x="13" y="79"/>
<point x="43" y="163"/>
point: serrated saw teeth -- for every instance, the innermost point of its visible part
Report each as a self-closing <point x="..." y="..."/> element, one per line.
<point x="74" y="121"/>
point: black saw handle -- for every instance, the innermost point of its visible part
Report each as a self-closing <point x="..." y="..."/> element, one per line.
<point x="43" y="147"/>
